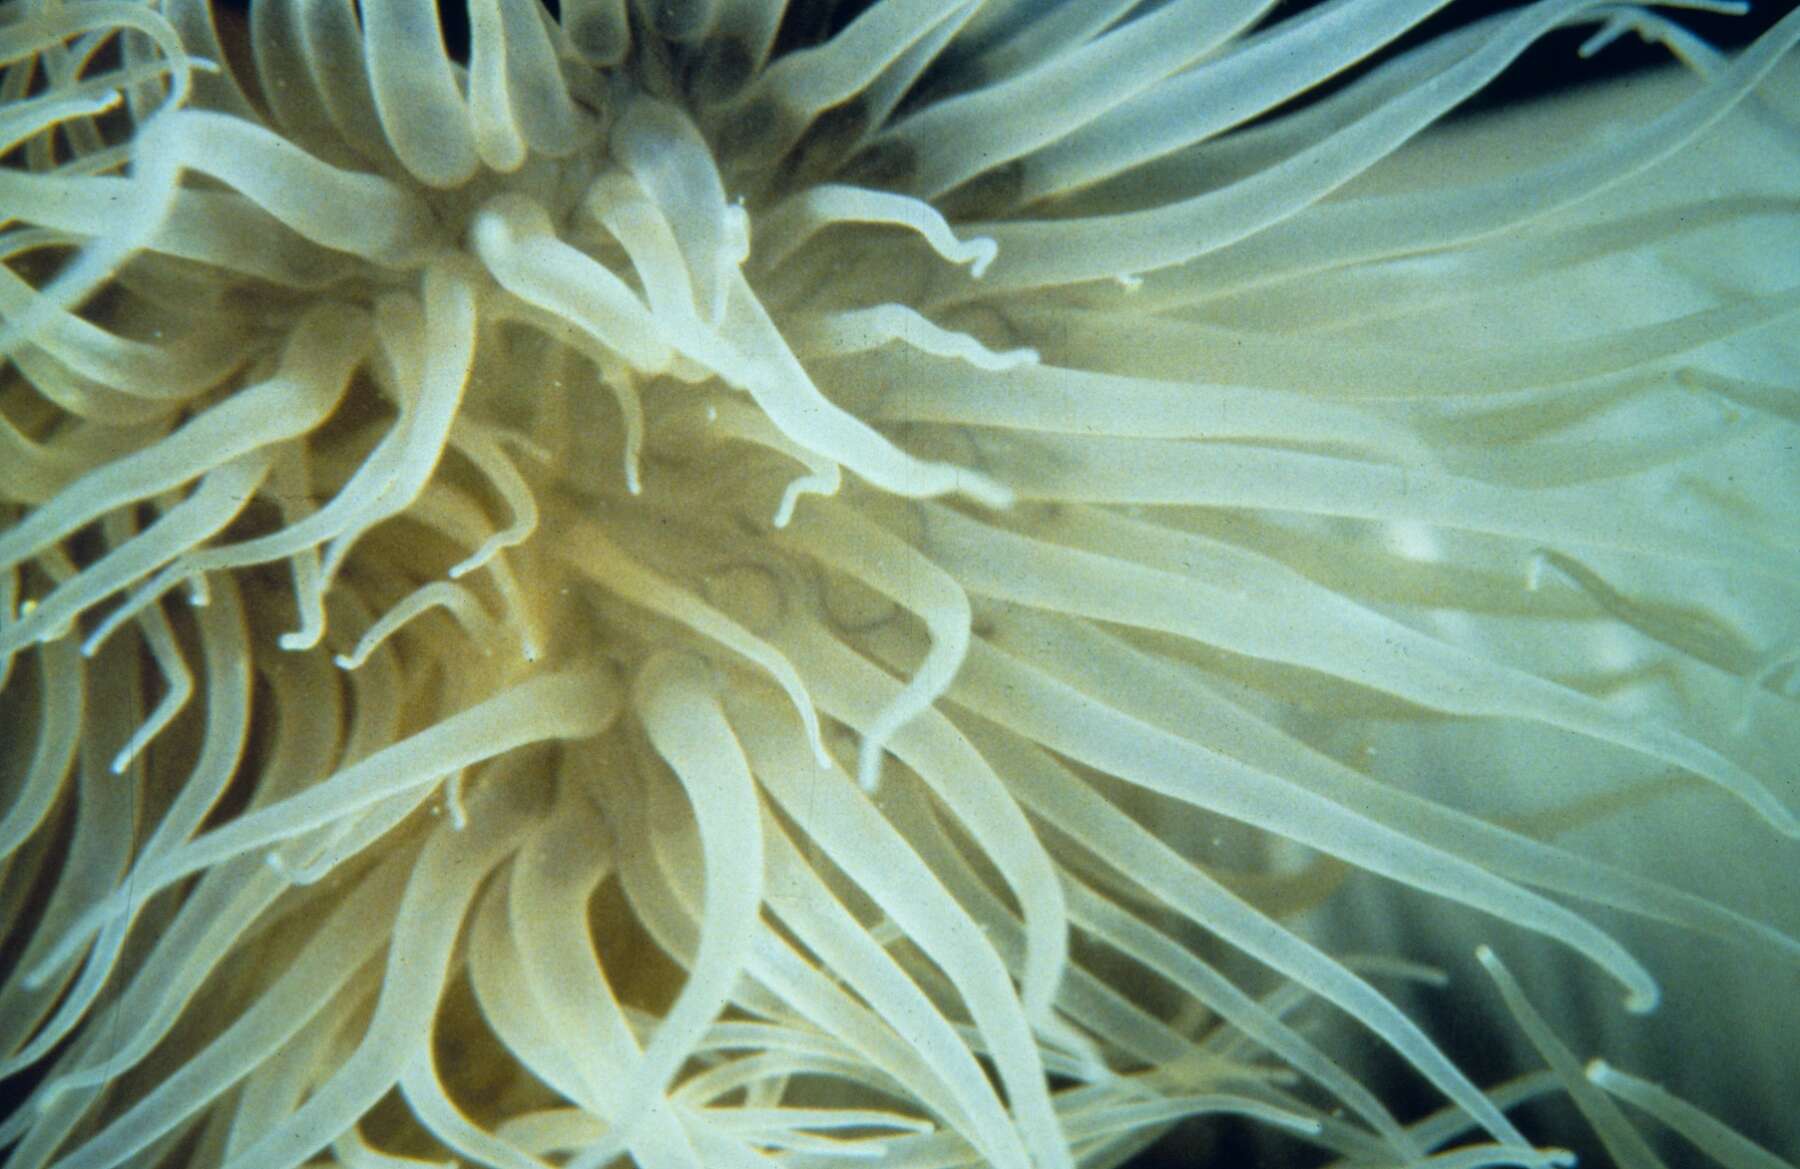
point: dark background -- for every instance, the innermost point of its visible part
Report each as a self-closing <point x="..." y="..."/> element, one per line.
<point x="1549" y="67"/>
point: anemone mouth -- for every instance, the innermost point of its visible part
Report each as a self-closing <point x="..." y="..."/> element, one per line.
<point x="681" y="592"/>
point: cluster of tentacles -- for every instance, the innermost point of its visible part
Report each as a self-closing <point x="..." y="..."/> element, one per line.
<point x="719" y="586"/>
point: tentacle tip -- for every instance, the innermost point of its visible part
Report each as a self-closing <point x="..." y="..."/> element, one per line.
<point x="1643" y="1000"/>
<point x="1598" y="1071"/>
<point x="1592" y="47"/>
<point x="299" y="639"/>
<point x="985" y="491"/>
<point x="294" y="876"/>
<point x="982" y="252"/>
<point x="1535" y="569"/>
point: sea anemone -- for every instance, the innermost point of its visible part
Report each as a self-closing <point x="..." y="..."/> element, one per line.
<point x="709" y="583"/>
